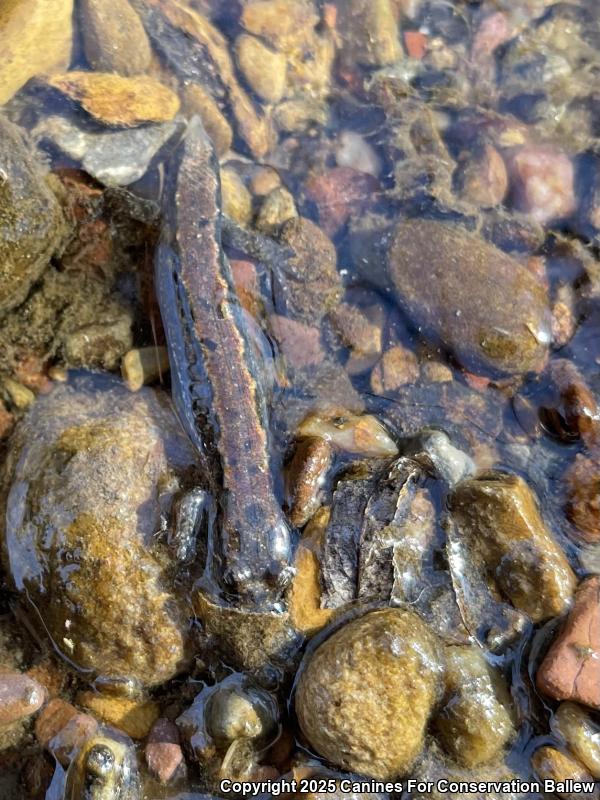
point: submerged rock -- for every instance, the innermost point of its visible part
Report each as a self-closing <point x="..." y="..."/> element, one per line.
<point x="114" y="38"/>
<point x="474" y="724"/>
<point x="484" y="306"/>
<point x="34" y="37"/>
<point x="499" y="520"/>
<point x="105" y="767"/>
<point x="91" y="470"/>
<point x="116" y="100"/>
<point x="115" y="158"/>
<point x="31" y="222"/>
<point x="366" y="694"/>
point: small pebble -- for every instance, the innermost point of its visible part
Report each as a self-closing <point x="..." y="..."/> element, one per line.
<point x="114" y="38"/>
<point x="20" y="697"/>
<point x="277" y="207"/>
<point x="264" y="181"/>
<point x="355" y="152"/>
<point x="265" y="70"/>
<point x="20" y="396"/>
<point x="300" y="344"/>
<point x="144" y="365"/>
<point x="163" y="751"/>
<point x="307" y="473"/>
<point x="196" y="100"/>
<point x="363" y="435"/>
<point x="305" y="594"/>
<point x="551" y="764"/>
<point x="482" y="178"/>
<point x="542" y="182"/>
<point x="398" y="367"/>
<point x="581" y="734"/>
<point x="236" y="199"/>
<point x="340" y="193"/>
<point x="583" y="493"/>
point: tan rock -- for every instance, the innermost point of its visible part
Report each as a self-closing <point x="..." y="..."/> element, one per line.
<point x="277" y="207"/>
<point x="283" y="23"/>
<point x="475" y="723"/>
<point x="264" y="69"/>
<point x="581" y="733"/>
<point x="196" y="100"/>
<point x="35" y="37"/>
<point x="350" y="433"/>
<point x="116" y="100"/>
<point x="483" y="305"/>
<point x="20" y="696"/>
<point x="97" y="460"/>
<point x="144" y="365"/>
<point x="365" y="697"/>
<point x="264" y="181"/>
<point x="483" y="179"/>
<point x="369" y="31"/>
<point x="306" y="475"/>
<point x="571" y="668"/>
<point x="237" y="200"/>
<point x="357" y="331"/>
<point x="133" y="716"/>
<point x="551" y="764"/>
<point x="397" y="367"/>
<point x="498" y="515"/>
<point x="114" y="38"/>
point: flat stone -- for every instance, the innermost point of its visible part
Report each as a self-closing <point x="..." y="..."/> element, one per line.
<point x="20" y="697"/>
<point x="571" y="668"/>
<point x="35" y="37"/>
<point x="115" y="158"/>
<point x="483" y="305"/>
<point x="117" y="100"/>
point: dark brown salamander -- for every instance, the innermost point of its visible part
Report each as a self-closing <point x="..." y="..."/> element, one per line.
<point x="214" y="376"/>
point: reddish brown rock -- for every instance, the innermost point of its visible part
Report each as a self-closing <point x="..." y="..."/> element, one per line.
<point x="357" y="331"/>
<point x="71" y="737"/>
<point x="20" y="696"/>
<point x="583" y="492"/>
<point x="416" y="44"/>
<point x="307" y="474"/>
<point x="300" y="344"/>
<point x="52" y="719"/>
<point x="163" y="751"/>
<point x="542" y="181"/>
<point x="578" y="408"/>
<point x="571" y="668"/>
<point x="6" y="422"/>
<point x="245" y="280"/>
<point x="339" y="193"/>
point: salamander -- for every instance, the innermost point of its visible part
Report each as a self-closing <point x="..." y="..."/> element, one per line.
<point x="215" y="388"/>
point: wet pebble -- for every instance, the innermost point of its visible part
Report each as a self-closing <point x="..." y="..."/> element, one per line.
<point x="115" y="100"/>
<point x="542" y="182"/>
<point x="498" y="516"/>
<point x="265" y="70"/>
<point x="581" y="734"/>
<point x="483" y="305"/>
<point x="397" y="367"/>
<point x="236" y="199"/>
<point x="583" y="492"/>
<point x="353" y="151"/>
<point x="299" y="344"/>
<point x="20" y="697"/>
<point x="62" y="729"/>
<point x="482" y="178"/>
<point x="350" y="433"/>
<point x="144" y="365"/>
<point x="571" y="668"/>
<point x="553" y="765"/>
<point x="115" y="158"/>
<point x="475" y="722"/>
<point x="338" y="194"/>
<point x="163" y="751"/>
<point x="306" y="477"/>
<point x="277" y="207"/>
<point x="197" y="100"/>
<point x="369" y="32"/>
<point x="366" y="693"/>
<point x="114" y="38"/>
<point x="89" y="459"/>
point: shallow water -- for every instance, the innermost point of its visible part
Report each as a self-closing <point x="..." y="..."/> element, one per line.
<point x="409" y="205"/>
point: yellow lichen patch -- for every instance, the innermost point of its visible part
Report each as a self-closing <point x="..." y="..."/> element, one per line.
<point x="132" y="716"/>
<point x="115" y="100"/>
<point x="305" y="594"/>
